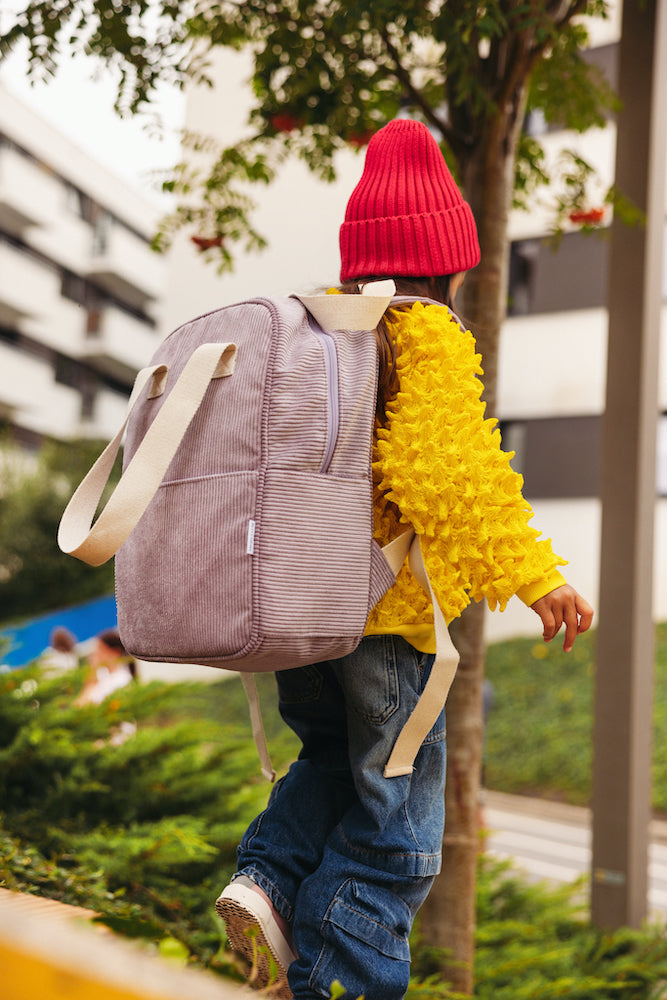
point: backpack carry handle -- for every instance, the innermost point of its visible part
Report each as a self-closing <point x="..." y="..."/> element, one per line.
<point x="95" y="544"/>
<point x="351" y="312"/>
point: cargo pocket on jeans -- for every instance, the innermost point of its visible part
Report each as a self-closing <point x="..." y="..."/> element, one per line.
<point x="366" y="947"/>
<point x="369" y="677"/>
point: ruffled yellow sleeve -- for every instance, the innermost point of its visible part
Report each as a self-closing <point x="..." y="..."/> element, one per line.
<point x="441" y="463"/>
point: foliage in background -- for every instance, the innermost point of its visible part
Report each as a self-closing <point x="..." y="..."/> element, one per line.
<point x="533" y="942"/>
<point x="34" y="489"/>
<point x="325" y="75"/>
<point x="539" y="731"/>
<point x="142" y="829"/>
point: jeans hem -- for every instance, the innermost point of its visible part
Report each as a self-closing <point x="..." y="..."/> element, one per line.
<point x="278" y="901"/>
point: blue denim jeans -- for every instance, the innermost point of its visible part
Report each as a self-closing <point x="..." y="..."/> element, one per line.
<point x="345" y="854"/>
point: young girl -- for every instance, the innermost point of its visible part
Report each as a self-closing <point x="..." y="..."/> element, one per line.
<point x="332" y="873"/>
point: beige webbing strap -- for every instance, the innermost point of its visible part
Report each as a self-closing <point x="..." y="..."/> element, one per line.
<point x="434" y="695"/>
<point x="258" y="726"/>
<point x="396" y="552"/>
<point x="141" y="479"/>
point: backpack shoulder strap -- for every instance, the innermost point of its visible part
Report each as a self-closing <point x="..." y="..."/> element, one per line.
<point x="434" y="695"/>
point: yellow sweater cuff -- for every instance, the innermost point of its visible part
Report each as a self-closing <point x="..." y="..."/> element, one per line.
<point x="534" y="591"/>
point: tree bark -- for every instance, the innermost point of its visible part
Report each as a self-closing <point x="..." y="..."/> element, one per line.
<point x="448" y="916"/>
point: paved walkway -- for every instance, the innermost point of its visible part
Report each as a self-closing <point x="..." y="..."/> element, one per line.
<point x="551" y="841"/>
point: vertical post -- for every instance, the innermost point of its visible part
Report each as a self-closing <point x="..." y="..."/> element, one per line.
<point x="625" y="649"/>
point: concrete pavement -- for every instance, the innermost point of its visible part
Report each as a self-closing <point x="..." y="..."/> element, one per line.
<point x="552" y="841"/>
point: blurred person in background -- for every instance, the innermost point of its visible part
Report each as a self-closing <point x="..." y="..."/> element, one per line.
<point x="111" y="668"/>
<point x="61" y="653"/>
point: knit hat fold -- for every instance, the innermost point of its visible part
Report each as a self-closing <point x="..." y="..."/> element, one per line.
<point x="406" y="217"/>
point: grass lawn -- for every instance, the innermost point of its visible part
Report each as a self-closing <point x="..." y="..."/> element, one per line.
<point x="539" y="731"/>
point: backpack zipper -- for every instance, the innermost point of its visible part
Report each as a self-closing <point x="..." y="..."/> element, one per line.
<point x="333" y="402"/>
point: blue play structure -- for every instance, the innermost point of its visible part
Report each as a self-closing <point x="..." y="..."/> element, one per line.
<point x="30" y="639"/>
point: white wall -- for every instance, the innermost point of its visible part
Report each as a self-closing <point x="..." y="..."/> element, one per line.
<point x="553" y="365"/>
<point x="299" y="215"/>
<point x="574" y="529"/>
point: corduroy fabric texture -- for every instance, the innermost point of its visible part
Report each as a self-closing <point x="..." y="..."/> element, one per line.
<point x="440" y="464"/>
<point x="256" y="552"/>
<point x="406" y="217"/>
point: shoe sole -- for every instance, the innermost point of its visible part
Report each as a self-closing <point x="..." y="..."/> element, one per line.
<point x="247" y="930"/>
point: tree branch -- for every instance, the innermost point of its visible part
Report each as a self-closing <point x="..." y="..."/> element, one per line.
<point x="577" y="7"/>
<point x="416" y="96"/>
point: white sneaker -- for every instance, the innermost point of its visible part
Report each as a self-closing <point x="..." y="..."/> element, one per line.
<point x="253" y="930"/>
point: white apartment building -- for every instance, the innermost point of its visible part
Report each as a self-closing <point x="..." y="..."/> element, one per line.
<point x="552" y="364"/>
<point x="79" y="285"/>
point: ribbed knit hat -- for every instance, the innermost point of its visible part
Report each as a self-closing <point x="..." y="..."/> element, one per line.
<point x="406" y="216"/>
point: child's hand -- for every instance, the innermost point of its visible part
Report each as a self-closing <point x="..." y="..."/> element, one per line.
<point x="564" y="604"/>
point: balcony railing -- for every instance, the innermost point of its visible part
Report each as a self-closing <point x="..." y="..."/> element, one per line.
<point x="28" y="193"/>
<point x="25" y="285"/>
<point x="116" y="343"/>
<point x="126" y="266"/>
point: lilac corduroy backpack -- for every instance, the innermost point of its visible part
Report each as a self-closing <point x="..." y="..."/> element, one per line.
<point x="242" y="524"/>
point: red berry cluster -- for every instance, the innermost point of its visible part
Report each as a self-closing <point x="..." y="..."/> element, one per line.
<point x="587" y="217"/>
<point x="206" y="242"/>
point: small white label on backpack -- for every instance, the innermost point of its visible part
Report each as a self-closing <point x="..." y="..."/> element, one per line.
<point x="250" y="547"/>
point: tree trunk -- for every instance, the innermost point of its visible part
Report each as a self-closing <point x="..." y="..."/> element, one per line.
<point x="448" y="915"/>
<point x="447" y="918"/>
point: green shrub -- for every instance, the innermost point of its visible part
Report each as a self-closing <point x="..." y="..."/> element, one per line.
<point x="144" y="829"/>
<point x="34" y="574"/>
<point x="142" y="826"/>
<point x="534" y="943"/>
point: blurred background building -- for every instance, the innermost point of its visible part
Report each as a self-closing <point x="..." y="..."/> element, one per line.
<point x="80" y="287"/>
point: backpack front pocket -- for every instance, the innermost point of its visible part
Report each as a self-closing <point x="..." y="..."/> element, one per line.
<point x="184" y="577"/>
<point x="314" y="549"/>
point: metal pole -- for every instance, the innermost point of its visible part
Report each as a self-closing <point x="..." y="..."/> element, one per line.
<point x="623" y="704"/>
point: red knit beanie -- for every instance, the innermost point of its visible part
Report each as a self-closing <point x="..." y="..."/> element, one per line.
<point x="406" y="216"/>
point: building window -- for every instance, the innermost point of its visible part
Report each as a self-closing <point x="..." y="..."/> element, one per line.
<point x="558" y="457"/>
<point x="73" y="287"/>
<point x="67" y="372"/>
<point x="523" y="257"/>
<point x="88" y="397"/>
<point x="101" y="233"/>
<point x="572" y="276"/>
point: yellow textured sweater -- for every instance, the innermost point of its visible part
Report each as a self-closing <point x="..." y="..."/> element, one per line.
<point x="439" y="466"/>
